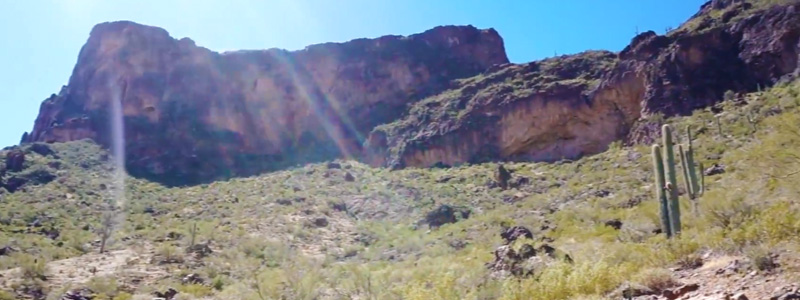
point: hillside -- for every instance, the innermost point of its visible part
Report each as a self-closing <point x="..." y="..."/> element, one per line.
<point x="464" y="177"/>
<point x="445" y="96"/>
<point x="343" y="230"/>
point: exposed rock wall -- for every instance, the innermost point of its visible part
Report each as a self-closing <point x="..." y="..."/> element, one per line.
<point x="445" y="96"/>
<point x="193" y="115"/>
<point x="555" y="108"/>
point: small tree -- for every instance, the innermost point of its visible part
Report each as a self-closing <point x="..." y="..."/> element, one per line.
<point x="729" y="95"/>
<point x="107" y="223"/>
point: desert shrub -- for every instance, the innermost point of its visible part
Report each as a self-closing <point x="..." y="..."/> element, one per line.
<point x="565" y="281"/>
<point x="196" y="290"/>
<point x="105" y="287"/>
<point x="218" y="283"/>
<point x="761" y="257"/>
<point x="31" y="267"/>
<point x="167" y="253"/>
<point x="655" y="279"/>
<point x="123" y="296"/>
<point x="6" y="295"/>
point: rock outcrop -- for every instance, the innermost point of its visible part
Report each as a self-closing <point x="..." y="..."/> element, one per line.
<point x="570" y="106"/>
<point x="17" y="171"/>
<point x="440" y="98"/>
<point x="192" y="115"/>
<point x="535" y="111"/>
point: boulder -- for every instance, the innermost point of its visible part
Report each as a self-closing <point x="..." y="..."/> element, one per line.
<point x="168" y="295"/>
<point x="15" y="160"/>
<point x="14" y="183"/>
<point x="78" y="294"/>
<point x="349" y="177"/>
<point x="519" y="181"/>
<point x="200" y="250"/>
<point x="445" y="214"/>
<point x="192" y="278"/>
<point x="615" y="223"/>
<point x="41" y="149"/>
<point x="320" y="222"/>
<point x="714" y="170"/>
<point x="512" y="234"/>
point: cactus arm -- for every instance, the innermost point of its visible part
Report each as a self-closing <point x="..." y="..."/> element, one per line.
<point x="702" y="180"/>
<point x="658" y="170"/>
<point x="690" y="164"/>
<point x="686" y="177"/>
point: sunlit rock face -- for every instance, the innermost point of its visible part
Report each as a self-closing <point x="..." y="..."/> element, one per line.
<point x="575" y="105"/>
<point x="446" y="96"/>
<point x="193" y="115"/>
<point x="539" y="111"/>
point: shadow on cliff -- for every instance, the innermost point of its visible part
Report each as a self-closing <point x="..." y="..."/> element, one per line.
<point x="200" y="154"/>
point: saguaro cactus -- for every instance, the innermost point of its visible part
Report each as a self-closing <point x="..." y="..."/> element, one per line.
<point x="693" y="189"/>
<point x="666" y="179"/>
<point x="658" y="169"/>
<point x="672" y="179"/>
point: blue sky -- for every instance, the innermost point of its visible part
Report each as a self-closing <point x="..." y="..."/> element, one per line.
<point x="41" y="38"/>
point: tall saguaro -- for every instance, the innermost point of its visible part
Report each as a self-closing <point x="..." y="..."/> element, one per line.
<point x="672" y="180"/>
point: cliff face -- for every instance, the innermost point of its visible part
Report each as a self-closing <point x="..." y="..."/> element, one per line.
<point x="570" y="106"/>
<point x="445" y="96"/>
<point x="192" y="115"/>
<point x="535" y="111"/>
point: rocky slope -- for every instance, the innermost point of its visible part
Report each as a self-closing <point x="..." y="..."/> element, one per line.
<point x="535" y="111"/>
<point x="443" y="97"/>
<point x="191" y="114"/>
<point x="587" y="229"/>
<point x="574" y="105"/>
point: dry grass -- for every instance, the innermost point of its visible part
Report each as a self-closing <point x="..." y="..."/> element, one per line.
<point x="266" y="244"/>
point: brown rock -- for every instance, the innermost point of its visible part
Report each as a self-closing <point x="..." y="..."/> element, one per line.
<point x="512" y="234"/>
<point x="680" y="291"/>
<point x="615" y="223"/>
<point x="200" y="250"/>
<point x="445" y="214"/>
<point x="15" y="159"/>
<point x="192" y="278"/>
<point x="349" y="177"/>
<point x="78" y="294"/>
<point x="321" y="222"/>
<point x="194" y="114"/>
<point x="714" y="170"/>
<point x="489" y="119"/>
<point x="739" y="296"/>
<point x="561" y="115"/>
<point x="168" y="295"/>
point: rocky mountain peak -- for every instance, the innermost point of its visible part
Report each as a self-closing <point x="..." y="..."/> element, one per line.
<point x="193" y="115"/>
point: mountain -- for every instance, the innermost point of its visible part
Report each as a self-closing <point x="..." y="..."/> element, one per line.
<point x="446" y="96"/>
<point x="574" y="105"/>
<point x="192" y="115"/>
<point x="381" y="224"/>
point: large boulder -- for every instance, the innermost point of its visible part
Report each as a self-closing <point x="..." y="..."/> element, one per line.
<point x="445" y="214"/>
<point x="511" y="234"/>
<point x="15" y="160"/>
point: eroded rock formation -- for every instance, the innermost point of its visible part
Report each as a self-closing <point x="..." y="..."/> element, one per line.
<point x="574" y="105"/>
<point x="440" y="98"/>
<point x="192" y="115"/>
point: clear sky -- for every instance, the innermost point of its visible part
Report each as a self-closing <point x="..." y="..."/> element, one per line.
<point x="41" y="38"/>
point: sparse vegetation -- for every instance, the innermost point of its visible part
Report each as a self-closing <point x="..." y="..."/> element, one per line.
<point x="373" y="245"/>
